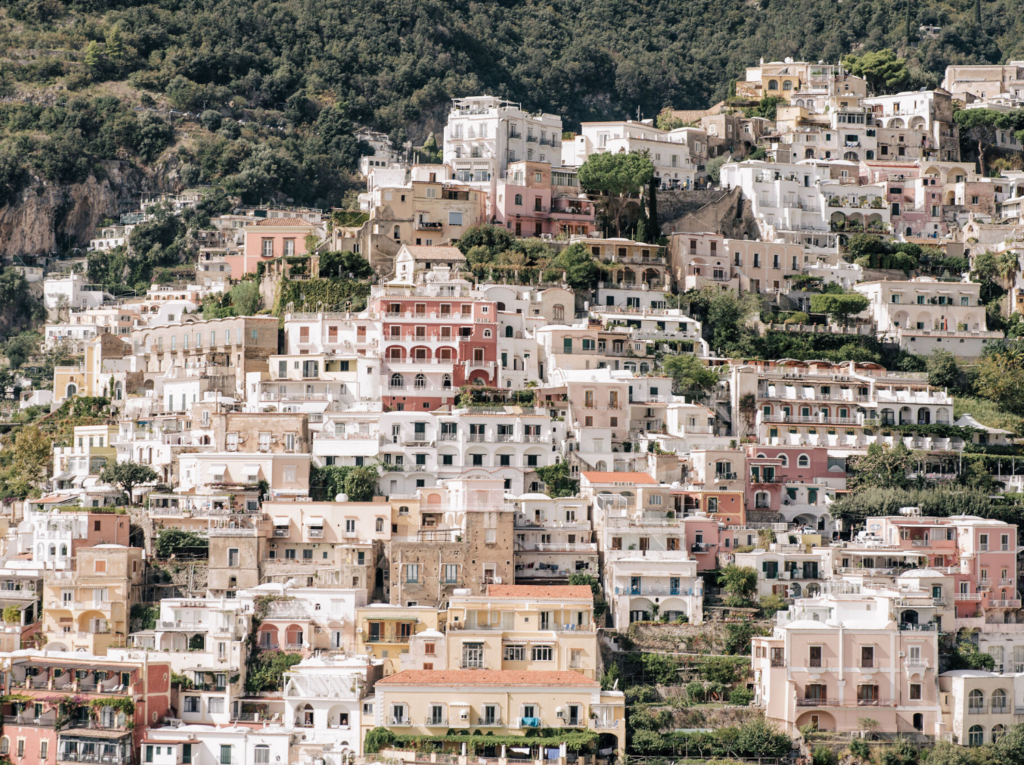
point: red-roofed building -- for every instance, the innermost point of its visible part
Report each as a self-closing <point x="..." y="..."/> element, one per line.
<point x="272" y="238"/>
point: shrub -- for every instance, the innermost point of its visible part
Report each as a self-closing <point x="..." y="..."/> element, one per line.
<point x="741" y="696"/>
<point x="822" y="755"/>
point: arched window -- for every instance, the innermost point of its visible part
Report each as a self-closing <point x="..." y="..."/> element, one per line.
<point x="262" y="753"/>
<point x="998" y="701"/>
<point x="508" y="331"/>
<point x="519" y="199"/>
<point x="71" y="390"/>
<point x="787" y="85"/>
<point x="421" y="382"/>
<point x="976" y="701"/>
<point x="5" y="745"/>
<point x="487" y="333"/>
<point x="479" y="381"/>
<point x="446" y="382"/>
<point x="380" y="525"/>
<point x="888" y="417"/>
<point x="397" y="381"/>
<point x="803" y="461"/>
<point x="773" y="84"/>
<point x="53" y="550"/>
<point x="559" y="313"/>
<point x="998" y="731"/>
<point x="924" y="416"/>
<point x="784" y="460"/>
<point x="316" y="607"/>
<point x="500" y="306"/>
<point x="975" y="736"/>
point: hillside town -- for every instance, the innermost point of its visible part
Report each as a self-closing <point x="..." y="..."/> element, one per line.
<point x="473" y="471"/>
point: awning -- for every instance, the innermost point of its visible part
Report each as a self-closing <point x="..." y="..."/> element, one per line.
<point x="252" y="469"/>
<point x="217" y="469"/>
<point x="282" y="520"/>
<point x="315" y="521"/>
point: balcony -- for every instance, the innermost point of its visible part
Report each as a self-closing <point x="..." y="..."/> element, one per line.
<point x="436" y="722"/>
<point x="399" y="721"/>
<point x="1011" y="603"/>
<point x="429" y="225"/>
<point x="281" y="532"/>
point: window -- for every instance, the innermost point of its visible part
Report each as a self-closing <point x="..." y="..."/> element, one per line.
<point x="262" y="755"/>
<point x="233" y="558"/>
<point x="867" y="656"/>
<point x="541" y="653"/>
<point x="192" y="704"/>
<point x="101" y="567"/>
<point x="225" y="754"/>
<point x="515" y="653"/>
<point x="454" y="219"/>
<point x="915" y="691"/>
<point x="975" y="736"/>
<point x="451" y="573"/>
<point x="412" y="573"/>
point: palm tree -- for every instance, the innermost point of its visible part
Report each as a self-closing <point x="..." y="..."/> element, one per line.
<point x="1008" y="266"/>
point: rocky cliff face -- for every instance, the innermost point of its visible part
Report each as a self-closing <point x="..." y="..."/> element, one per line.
<point x="54" y="218"/>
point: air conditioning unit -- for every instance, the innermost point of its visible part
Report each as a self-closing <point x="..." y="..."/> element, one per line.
<point x="902" y="654"/>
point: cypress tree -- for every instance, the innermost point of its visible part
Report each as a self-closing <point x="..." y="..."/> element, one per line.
<point x="653" y="227"/>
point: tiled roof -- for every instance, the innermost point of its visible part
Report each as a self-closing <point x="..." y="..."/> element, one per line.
<point x="455" y="678"/>
<point x="284" y="222"/>
<point x="435" y="252"/>
<point x="597" y="477"/>
<point x="555" y="591"/>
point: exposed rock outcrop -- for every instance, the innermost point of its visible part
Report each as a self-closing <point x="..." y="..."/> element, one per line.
<point x="51" y="218"/>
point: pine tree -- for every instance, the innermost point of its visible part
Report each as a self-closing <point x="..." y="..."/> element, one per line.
<point x="115" y="46"/>
<point x="95" y="58"/>
<point x="977" y="12"/>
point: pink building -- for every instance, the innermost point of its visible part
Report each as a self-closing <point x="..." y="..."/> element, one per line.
<point x="534" y="199"/>
<point x="802" y="464"/>
<point x="271" y="238"/>
<point x="847" y="654"/>
<point x="980" y="554"/>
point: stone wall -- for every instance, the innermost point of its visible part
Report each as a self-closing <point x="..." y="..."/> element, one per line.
<point x="715" y="210"/>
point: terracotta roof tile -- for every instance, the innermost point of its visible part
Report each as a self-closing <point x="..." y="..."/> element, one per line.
<point x="598" y="477"/>
<point x="455" y="678"/>
<point x="555" y="591"/>
<point x="284" y="222"/>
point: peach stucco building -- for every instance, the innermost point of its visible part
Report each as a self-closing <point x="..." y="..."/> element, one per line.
<point x="272" y="238"/>
<point x="848" y="654"/>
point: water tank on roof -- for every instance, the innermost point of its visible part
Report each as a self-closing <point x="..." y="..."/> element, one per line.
<point x="341" y="498"/>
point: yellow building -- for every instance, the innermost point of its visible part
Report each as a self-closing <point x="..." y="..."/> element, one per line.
<point x="385" y="632"/>
<point x="104" y="365"/>
<point x="87" y="608"/>
<point x="91" y="450"/>
<point x="505" y="703"/>
<point x="526" y="628"/>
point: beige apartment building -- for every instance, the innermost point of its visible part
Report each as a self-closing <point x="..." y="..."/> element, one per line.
<point x="235" y="556"/>
<point x="387" y="633"/>
<point x="87" y="607"/>
<point x="337" y="544"/>
<point x="708" y="259"/>
<point x="526" y="628"/>
<point x="985" y="81"/>
<point x="237" y="345"/>
<point x="225" y="430"/>
<point x="464" y="540"/>
<point x="505" y="702"/>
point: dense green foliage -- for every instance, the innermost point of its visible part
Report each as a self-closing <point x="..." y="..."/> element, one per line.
<point x="266" y="669"/>
<point x="600" y="605"/>
<point x="852" y="509"/>
<point x="178" y="542"/>
<point x="128" y="475"/>
<point x="359" y="483"/>
<point x="20" y="309"/>
<point x="393" y="62"/>
<point x="752" y="739"/>
<point x="557" y="481"/>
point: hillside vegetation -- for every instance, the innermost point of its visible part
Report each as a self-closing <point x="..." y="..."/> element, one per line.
<point x="265" y="93"/>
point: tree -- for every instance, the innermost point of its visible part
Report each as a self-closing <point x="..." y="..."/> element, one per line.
<point x="652" y="209"/>
<point x="576" y="262"/>
<point x="979" y="127"/>
<point x="1008" y="266"/>
<point x="839" y="307"/>
<point x="738" y="580"/>
<point x="617" y="176"/>
<point x="175" y="542"/>
<point x="884" y="72"/>
<point x="943" y="371"/>
<point x="344" y="264"/>
<point x="128" y="475"/>
<point x="361" y="484"/>
<point x="211" y="119"/>
<point x="727" y="315"/>
<point x="689" y="373"/>
<point x="26" y="463"/>
<point x="95" y="59"/>
<point x="595" y="587"/>
<point x="495" y="238"/>
<point x="883" y="467"/>
<point x="714" y="168"/>
<point x="115" y="46"/>
<point x="768" y="107"/>
<point x="245" y="297"/>
<point x="1000" y="378"/>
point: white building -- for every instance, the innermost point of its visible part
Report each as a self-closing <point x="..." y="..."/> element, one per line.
<point x="678" y="155"/>
<point x="484" y="134"/>
<point x="71" y="291"/>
